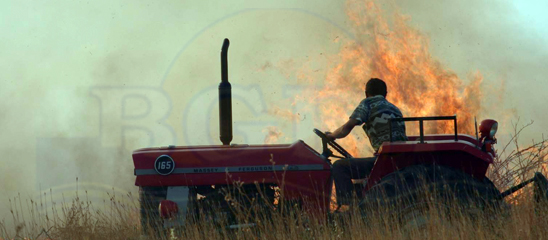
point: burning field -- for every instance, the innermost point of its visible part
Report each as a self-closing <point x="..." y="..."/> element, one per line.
<point x="384" y="44"/>
<point x="387" y="47"/>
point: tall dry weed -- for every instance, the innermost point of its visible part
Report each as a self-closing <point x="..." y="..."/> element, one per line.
<point x="118" y="218"/>
<point x="515" y="163"/>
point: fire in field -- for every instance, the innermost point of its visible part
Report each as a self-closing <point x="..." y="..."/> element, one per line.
<point x="387" y="47"/>
<point x="449" y="176"/>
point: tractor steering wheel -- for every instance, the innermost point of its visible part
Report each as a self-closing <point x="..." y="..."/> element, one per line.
<point x="325" y="141"/>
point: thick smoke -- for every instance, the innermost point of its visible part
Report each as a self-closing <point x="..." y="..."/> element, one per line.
<point x="500" y="40"/>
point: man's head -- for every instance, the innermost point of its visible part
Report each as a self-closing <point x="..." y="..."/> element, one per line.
<point x="374" y="87"/>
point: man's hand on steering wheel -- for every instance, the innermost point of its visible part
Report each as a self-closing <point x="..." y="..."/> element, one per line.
<point x="330" y="140"/>
<point x="330" y="136"/>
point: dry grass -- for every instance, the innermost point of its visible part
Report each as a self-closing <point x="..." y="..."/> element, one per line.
<point x="119" y="218"/>
<point x="79" y="221"/>
<point x="515" y="163"/>
<point x="74" y="219"/>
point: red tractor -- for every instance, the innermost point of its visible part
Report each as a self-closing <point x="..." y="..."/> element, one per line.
<point x="178" y="182"/>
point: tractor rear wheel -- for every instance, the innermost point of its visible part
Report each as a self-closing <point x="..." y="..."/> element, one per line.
<point x="413" y="190"/>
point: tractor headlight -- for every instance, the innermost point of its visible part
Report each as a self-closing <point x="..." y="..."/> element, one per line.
<point x="488" y="128"/>
<point x="494" y="129"/>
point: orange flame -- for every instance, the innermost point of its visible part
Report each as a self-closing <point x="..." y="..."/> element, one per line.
<point x="399" y="54"/>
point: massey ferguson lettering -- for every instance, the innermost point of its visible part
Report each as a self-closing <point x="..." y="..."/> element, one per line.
<point x="234" y="169"/>
<point x="255" y="169"/>
<point x="206" y="170"/>
<point x="160" y="166"/>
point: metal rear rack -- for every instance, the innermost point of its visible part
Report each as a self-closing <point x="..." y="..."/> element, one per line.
<point x="421" y="120"/>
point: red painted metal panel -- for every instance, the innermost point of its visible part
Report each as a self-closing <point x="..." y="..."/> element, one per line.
<point x="461" y="154"/>
<point x="314" y="187"/>
<point x="461" y="137"/>
<point x="230" y="156"/>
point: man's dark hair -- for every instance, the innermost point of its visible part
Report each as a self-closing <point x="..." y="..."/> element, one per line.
<point x="374" y="87"/>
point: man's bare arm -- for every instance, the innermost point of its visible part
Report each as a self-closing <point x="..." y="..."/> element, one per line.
<point x="344" y="130"/>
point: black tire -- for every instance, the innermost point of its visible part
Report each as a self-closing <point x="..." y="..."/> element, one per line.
<point x="233" y="205"/>
<point x="428" y="185"/>
<point x="150" y="198"/>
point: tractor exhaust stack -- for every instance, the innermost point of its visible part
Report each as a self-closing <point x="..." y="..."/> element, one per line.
<point x="225" y="98"/>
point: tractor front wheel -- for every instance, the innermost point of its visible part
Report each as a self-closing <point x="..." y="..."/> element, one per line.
<point x="149" y="199"/>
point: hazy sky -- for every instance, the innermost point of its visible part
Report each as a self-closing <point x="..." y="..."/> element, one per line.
<point x="85" y="82"/>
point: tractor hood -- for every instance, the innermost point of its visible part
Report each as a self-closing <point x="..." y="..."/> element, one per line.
<point x="209" y="165"/>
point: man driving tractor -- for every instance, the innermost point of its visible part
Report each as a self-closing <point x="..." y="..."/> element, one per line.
<point x="373" y="112"/>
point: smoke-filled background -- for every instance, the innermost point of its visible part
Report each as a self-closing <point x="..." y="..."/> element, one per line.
<point x="86" y="82"/>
